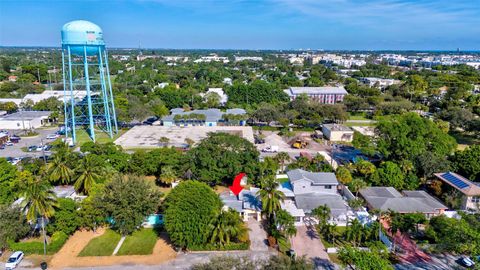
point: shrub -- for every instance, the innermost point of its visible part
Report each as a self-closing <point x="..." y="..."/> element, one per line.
<point x="213" y="247"/>
<point x="57" y="241"/>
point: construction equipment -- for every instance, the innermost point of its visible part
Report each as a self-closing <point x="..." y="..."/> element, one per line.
<point x="299" y="144"/>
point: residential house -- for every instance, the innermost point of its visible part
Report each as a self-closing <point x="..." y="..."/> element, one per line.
<point x="337" y="133"/>
<point x="305" y="191"/>
<point x="411" y="201"/>
<point x="470" y="191"/>
<point x="246" y="203"/>
<point x="324" y="95"/>
<point x="208" y="117"/>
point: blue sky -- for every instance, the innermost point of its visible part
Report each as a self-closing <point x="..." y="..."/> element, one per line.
<point x="251" y="24"/>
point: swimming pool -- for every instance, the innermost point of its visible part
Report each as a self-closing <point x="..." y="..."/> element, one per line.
<point x="287" y="185"/>
<point x="154" y="220"/>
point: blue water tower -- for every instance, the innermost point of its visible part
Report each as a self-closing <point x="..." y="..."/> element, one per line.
<point x="88" y="97"/>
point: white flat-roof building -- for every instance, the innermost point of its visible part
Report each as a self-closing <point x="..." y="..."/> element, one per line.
<point x="17" y="101"/>
<point x="326" y="94"/>
<point x="24" y="120"/>
<point x="248" y="58"/>
<point x="337" y="133"/>
<point x="378" y="82"/>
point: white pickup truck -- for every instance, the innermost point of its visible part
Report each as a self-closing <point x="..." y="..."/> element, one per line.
<point x="270" y="149"/>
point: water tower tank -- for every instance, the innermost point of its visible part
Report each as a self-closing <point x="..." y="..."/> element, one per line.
<point x="81" y="33"/>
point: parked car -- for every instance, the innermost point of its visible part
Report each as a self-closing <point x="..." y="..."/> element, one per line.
<point x="2" y="146"/>
<point x="52" y="136"/>
<point x="9" y="143"/>
<point x="259" y="140"/>
<point x="32" y="148"/>
<point x="467" y="262"/>
<point x="14" y="260"/>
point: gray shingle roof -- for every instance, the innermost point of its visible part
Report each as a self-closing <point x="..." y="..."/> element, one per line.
<point x="320" y="178"/>
<point x="388" y="198"/>
<point x="310" y="201"/>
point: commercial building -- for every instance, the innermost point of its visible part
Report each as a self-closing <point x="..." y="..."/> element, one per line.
<point x="208" y="117"/>
<point x="248" y="58"/>
<point x="470" y="191"/>
<point x="337" y="133"/>
<point x="324" y="95"/>
<point x="412" y="201"/>
<point x="25" y="120"/>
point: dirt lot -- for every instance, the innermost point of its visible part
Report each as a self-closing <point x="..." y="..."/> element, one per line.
<point x="272" y="138"/>
<point x="67" y="256"/>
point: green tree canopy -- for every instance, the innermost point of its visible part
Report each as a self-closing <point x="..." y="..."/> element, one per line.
<point x="189" y="209"/>
<point x="409" y="135"/>
<point x="220" y="156"/>
<point x="13" y="225"/>
<point x="127" y="200"/>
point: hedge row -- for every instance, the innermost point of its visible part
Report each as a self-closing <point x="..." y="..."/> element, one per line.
<point x="213" y="247"/>
<point x="57" y="241"/>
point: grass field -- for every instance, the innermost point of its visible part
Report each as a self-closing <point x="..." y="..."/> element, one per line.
<point x="101" y="136"/>
<point x="102" y="245"/>
<point x="464" y="139"/>
<point x="140" y="242"/>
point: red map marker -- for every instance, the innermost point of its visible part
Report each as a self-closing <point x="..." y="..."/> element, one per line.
<point x="236" y="187"/>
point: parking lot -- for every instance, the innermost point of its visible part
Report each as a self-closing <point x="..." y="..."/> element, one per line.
<point x="16" y="149"/>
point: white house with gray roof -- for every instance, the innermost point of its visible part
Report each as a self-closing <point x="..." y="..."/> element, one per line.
<point x="411" y="201"/>
<point x="311" y="190"/>
<point x="247" y="203"/>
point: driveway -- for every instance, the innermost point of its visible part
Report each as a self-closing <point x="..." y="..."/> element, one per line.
<point x="307" y="243"/>
<point x="258" y="236"/>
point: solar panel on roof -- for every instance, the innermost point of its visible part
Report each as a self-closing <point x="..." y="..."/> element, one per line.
<point x="455" y="180"/>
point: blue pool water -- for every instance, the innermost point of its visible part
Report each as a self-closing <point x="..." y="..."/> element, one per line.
<point x="287" y="185"/>
<point x="155" y="220"/>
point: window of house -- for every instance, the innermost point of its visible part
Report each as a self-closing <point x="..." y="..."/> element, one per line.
<point x="328" y="187"/>
<point x="476" y="199"/>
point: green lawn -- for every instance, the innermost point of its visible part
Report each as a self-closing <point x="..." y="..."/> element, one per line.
<point x="101" y="136"/>
<point x="102" y="245"/>
<point x="464" y="139"/>
<point x="358" y="117"/>
<point x="139" y="243"/>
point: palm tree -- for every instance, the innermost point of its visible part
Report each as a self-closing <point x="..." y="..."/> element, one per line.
<point x="168" y="175"/>
<point x="322" y="214"/>
<point x="354" y="232"/>
<point x="282" y="158"/>
<point x="89" y="172"/>
<point x="329" y="232"/>
<point x="356" y="185"/>
<point x="39" y="200"/>
<point x="226" y="226"/>
<point x="270" y="196"/>
<point x="59" y="171"/>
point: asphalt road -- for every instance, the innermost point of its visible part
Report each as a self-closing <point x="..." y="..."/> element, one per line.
<point x="16" y="151"/>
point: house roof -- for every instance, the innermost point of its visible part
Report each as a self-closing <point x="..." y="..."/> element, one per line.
<point x="26" y="115"/>
<point x="247" y="200"/>
<point x="318" y="178"/>
<point x="460" y="183"/>
<point x="388" y="198"/>
<point x="310" y="201"/>
<point x="337" y="127"/>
